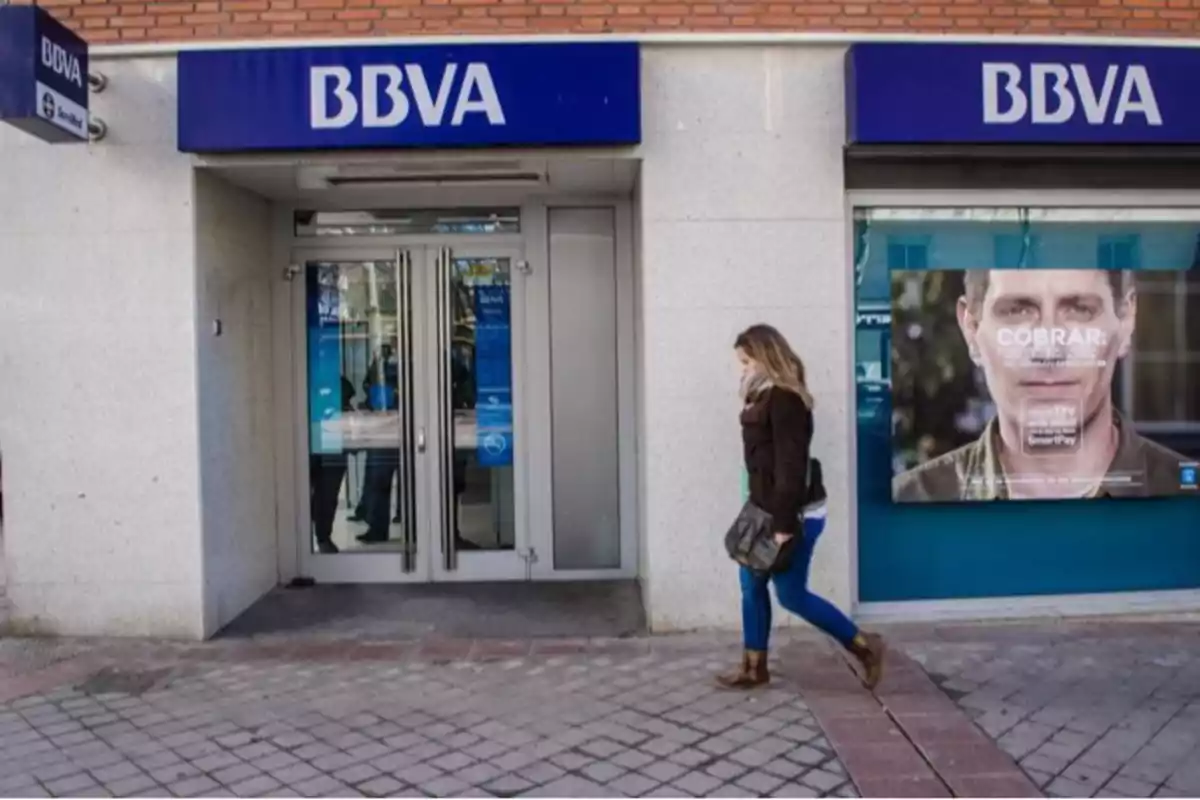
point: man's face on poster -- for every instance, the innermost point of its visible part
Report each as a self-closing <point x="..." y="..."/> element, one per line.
<point x="1047" y="338"/>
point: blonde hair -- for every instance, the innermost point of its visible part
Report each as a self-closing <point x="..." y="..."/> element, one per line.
<point x="778" y="361"/>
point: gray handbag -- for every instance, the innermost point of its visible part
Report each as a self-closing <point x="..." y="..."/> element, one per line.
<point x="750" y="541"/>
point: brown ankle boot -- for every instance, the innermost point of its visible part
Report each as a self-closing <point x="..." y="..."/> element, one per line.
<point x="869" y="649"/>
<point x="753" y="672"/>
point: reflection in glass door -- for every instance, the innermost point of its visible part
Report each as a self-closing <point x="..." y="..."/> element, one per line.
<point x="362" y="432"/>
<point x="475" y="397"/>
<point x="412" y="446"/>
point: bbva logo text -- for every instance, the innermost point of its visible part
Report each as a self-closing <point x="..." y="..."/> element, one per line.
<point x="384" y="95"/>
<point x="58" y="59"/>
<point x="1055" y="93"/>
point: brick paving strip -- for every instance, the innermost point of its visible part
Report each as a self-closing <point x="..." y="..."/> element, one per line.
<point x="907" y="740"/>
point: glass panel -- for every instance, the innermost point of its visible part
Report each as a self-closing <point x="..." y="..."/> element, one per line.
<point x="385" y="222"/>
<point x="1156" y="386"/>
<point x="360" y="485"/>
<point x="1015" y="252"/>
<point x="1017" y="350"/>
<point x="989" y="238"/>
<point x="481" y="400"/>
<point x="906" y="253"/>
<point x="1157" y="323"/>
<point x="943" y="551"/>
<point x="1118" y="252"/>
<point x="1191" y="322"/>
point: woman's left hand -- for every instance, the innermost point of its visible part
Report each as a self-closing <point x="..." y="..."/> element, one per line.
<point x="782" y="538"/>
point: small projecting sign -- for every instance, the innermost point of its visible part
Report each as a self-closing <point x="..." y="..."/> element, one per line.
<point x="43" y="75"/>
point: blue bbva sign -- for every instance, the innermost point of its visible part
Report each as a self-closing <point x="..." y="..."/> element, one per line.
<point x="384" y="96"/>
<point x="1022" y="94"/>
<point x="43" y="75"/>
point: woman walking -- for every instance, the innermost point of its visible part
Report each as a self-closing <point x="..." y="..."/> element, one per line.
<point x="777" y="429"/>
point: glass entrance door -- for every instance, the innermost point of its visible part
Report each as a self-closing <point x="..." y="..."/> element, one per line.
<point x="409" y="373"/>
<point x="475" y="392"/>
<point x="362" y="432"/>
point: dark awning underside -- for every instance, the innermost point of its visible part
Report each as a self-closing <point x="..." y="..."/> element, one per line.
<point x="1021" y="167"/>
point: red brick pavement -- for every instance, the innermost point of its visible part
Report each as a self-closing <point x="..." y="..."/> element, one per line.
<point x="908" y="739"/>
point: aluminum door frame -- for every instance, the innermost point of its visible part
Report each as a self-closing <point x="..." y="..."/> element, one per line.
<point x="390" y="566"/>
<point x="477" y="565"/>
<point x="433" y="537"/>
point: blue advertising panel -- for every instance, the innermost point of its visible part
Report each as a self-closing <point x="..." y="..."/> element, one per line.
<point x="468" y="95"/>
<point x="324" y="357"/>
<point x="493" y="375"/>
<point x="936" y="378"/>
<point x="1021" y="94"/>
<point x="43" y="75"/>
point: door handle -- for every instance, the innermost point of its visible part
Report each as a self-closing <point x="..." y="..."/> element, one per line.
<point x="421" y="440"/>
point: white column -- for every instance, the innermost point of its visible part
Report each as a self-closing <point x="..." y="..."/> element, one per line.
<point x="742" y="222"/>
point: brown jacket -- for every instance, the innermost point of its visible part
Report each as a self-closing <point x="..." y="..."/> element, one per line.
<point x="777" y="432"/>
<point x="1140" y="468"/>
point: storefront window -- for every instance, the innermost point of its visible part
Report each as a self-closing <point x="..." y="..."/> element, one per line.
<point x="1074" y="380"/>
<point x="1164" y="381"/>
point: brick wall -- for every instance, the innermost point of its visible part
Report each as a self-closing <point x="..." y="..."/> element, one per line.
<point x="169" y="20"/>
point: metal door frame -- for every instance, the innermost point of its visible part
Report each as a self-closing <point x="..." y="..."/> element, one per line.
<point x="481" y="565"/>
<point x="423" y="257"/>
<point x="361" y="566"/>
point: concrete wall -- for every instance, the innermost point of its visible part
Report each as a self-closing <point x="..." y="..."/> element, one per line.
<point x="234" y="271"/>
<point x="98" y="411"/>
<point x="742" y="222"/>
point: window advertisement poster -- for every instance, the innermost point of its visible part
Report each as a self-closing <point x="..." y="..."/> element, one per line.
<point x="493" y="375"/>
<point x="1049" y="356"/>
<point x="1029" y="381"/>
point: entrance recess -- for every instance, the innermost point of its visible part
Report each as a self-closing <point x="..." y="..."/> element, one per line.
<point x="409" y="369"/>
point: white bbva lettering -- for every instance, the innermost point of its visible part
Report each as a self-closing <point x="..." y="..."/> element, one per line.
<point x="385" y="103"/>
<point x="55" y="57"/>
<point x="1057" y="91"/>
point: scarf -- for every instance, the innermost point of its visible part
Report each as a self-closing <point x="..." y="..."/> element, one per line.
<point x="754" y="383"/>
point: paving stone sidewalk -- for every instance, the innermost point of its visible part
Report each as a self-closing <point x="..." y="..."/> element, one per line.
<point x="1106" y="709"/>
<point x="502" y="719"/>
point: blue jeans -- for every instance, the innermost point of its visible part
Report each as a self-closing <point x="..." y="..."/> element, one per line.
<point x="791" y="587"/>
